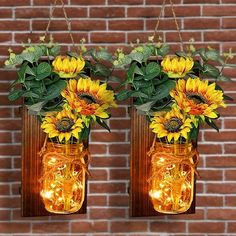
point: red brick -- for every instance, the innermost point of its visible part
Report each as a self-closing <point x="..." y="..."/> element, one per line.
<point x="15" y="3"/>
<point x="221" y="188"/>
<point x="223" y="214"/>
<point x="219" y="10"/>
<point x="117" y="149"/>
<point x="119" y="112"/>
<point x="14" y="25"/>
<point x="206" y="227"/>
<point x="88" y="2"/>
<point x="108" y="213"/>
<point x="5" y="13"/>
<point x="201" y="23"/>
<point x="118" y="200"/>
<point x="158" y="2"/>
<point x="208" y="201"/>
<point x="98" y="174"/>
<point x="221" y="136"/>
<point x="52" y="227"/>
<point x="128" y="226"/>
<point x="5" y="37"/>
<point x="5" y="112"/>
<point x="222" y="162"/>
<point x="230" y="200"/>
<point x="5" y="215"/>
<point x="9" y="202"/>
<point x="89" y="227"/>
<point x="230" y="174"/>
<point x="201" y="1"/>
<point x="97" y="200"/>
<point x="228" y="23"/>
<point x="104" y="37"/>
<point x="209" y="149"/>
<point x="107" y="137"/>
<point x="10" y="124"/>
<point x="165" y="24"/>
<point x="10" y="175"/>
<point x="171" y="226"/>
<point x="32" y="13"/>
<point x="125" y="2"/>
<point x="208" y="175"/>
<point x="54" y="26"/>
<point x="87" y="25"/>
<point x="231" y="227"/>
<point x="97" y="149"/>
<point x="115" y="161"/>
<point x="120" y="124"/>
<point x="45" y="2"/>
<point x="16" y="216"/>
<point x="72" y="12"/>
<point x="10" y="150"/>
<point x="143" y="11"/>
<point x="5" y="137"/>
<point x="9" y="228"/>
<point x="5" y="163"/>
<point x="126" y="25"/>
<point x="4" y="189"/>
<point x="117" y="174"/>
<point x="230" y="148"/>
<point x="174" y="37"/>
<point x="107" y="12"/>
<point x="107" y="188"/>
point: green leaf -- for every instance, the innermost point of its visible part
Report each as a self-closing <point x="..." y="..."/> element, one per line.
<point x="137" y="56"/>
<point x="212" y="124"/>
<point x="35" y="108"/>
<point x="55" y="50"/>
<point x="44" y="68"/>
<point x="210" y="70"/>
<point x="164" y="89"/>
<point x="181" y="54"/>
<point x="123" y="95"/>
<point x="153" y="68"/>
<point x="15" y="94"/>
<point x="104" y="55"/>
<point x="84" y="133"/>
<point x="113" y="78"/>
<point x="33" y="84"/>
<point x="31" y="94"/>
<point x="163" y="50"/>
<point x="30" y="71"/>
<point x="226" y="97"/>
<point x="138" y="71"/>
<point x="101" y="70"/>
<point x="54" y="90"/>
<point x="224" y="78"/>
<point x="213" y="55"/>
<point x="21" y="73"/>
<point x="138" y="94"/>
<point x="103" y="124"/>
<point x="28" y="56"/>
<point x="146" y="107"/>
<point x="142" y="84"/>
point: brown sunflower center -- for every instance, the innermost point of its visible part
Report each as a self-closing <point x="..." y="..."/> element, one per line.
<point x="64" y="125"/>
<point x="173" y="125"/>
<point x="196" y="98"/>
<point x="88" y="98"/>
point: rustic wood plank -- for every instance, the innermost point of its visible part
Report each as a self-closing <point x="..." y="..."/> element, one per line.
<point x="140" y="163"/>
<point x="32" y="141"/>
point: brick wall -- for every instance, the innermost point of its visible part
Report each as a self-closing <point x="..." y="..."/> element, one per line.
<point x="114" y="23"/>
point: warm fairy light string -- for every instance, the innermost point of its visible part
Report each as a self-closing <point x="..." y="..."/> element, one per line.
<point x="63" y="180"/>
<point x="172" y="178"/>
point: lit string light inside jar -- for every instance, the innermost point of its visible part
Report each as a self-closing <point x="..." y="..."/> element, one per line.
<point x="63" y="179"/>
<point x="171" y="185"/>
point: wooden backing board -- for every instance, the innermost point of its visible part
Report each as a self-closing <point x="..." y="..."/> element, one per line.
<point x="32" y="141"/>
<point x="140" y="163"/>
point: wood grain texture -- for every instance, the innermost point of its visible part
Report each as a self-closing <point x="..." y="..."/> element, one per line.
<point x="32" y="141"/>
<point x="140" y="166"/>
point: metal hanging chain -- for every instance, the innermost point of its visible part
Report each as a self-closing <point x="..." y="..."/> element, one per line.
<point x="175" y="19"/>
<point x="68" y="23"/>
<point x="158" y="20"/>
<point x="177" y="25"/>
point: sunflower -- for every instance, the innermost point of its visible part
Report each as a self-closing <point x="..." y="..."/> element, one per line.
<point x="177" y="67"/>
<point x="88" y="97"/>
<point x="197" y="97"/>
<point x="68" y="67"/>
<point x="172" y="124"/>
<point x="63" y="125"/>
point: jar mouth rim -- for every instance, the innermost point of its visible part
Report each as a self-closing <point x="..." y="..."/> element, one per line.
<point x="52" y="144"/>
<point x="173" y="144"/>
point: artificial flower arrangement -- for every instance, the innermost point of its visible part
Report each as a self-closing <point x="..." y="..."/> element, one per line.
<point x="177" y="93"/>
<point x="65" y="93"/>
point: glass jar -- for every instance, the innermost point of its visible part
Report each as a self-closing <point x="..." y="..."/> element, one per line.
<point x="171" y="185"/>
<point x="63" y="178"/>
